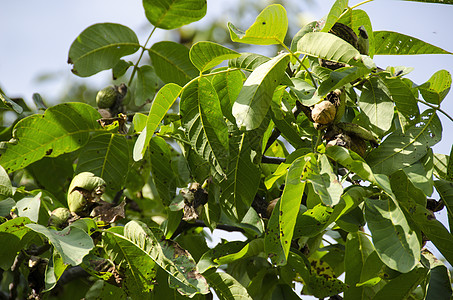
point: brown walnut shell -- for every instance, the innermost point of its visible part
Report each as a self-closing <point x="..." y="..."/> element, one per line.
<point x="324" y="112"/>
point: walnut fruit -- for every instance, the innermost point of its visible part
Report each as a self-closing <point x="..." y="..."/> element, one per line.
<point x="323" y="112"/>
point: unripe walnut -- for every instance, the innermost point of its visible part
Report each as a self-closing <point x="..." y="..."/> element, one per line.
<point x="324" y="112"/>
<point x="59" y="217"/>
<point x="85" y="187"/>
<point x="107" y="97"/>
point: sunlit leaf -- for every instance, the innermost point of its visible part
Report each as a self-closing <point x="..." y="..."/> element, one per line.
<point x="248" y="61"/>
<point x="106" y="156"/>
<point x="269" y="28"/>
<point x="201" y="116"/>
<point x="171" y="14"/>
<point x="310" y="27"/>
<point x="6" y="188"/>
<point x="395" y="242"/>
<point x="66" y="126"/>
<point x="334" y="14"/>
<point x="445" y="190"/>
<point x="312" y="221"/>
<point x="255" y="98"/>
<point x="226" y="286"/>
<point x="437" y="87"/>
<point x="394" y="43"/>
<point x="164" y="99"/>
<point x="29" y="207"/>
<point x="71" y="243"/>
<point x="205" y="55"/>
<point x="54" y="270"/>
<point x="172" y="63"/>
<point x="400" y="150"/>
<point x="100" y="47"/>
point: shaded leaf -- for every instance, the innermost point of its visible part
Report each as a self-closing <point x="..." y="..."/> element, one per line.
<point x="339" y="78"/>
<point x="253" y="248"/>
<point x="106" y="156"/>
<point x="404" y="190"/>
<point x="226" y="286"/>
<point x="171" y="14"/>
<point x="6" y="188"/>
<point x="313" y="221"/>
<point x="67" y="127"/>
<point x="445" y="190"/>
<point x="164" y="99"/>
<point x="202" y="118"/>
<point x="437" y="87"/>
<point x="54" y="270"/>
<point x="354" y="18"/>
<point x="305" y="92"/>
<point x="400" y="150"/>
<point x="205" y="55"/>
<point x="395" y="242"/>
<point x="209" y="258"/>
<point x="172" y="63"/>
<point x="376" y="104"/>
<point x="100" y="47"/>
<point x="71" y="243"/>
<point x="439" y="281"/>
<point x="269" y="28"/>
<point x="228" y="85"/>
<point x="12" y="232"/>
<point x="147" y="84"/>
<point x="255" y="98"/>
<point x="394" y="43"/>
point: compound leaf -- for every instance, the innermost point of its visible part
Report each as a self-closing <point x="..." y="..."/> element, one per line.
<point x="394" y="43"/>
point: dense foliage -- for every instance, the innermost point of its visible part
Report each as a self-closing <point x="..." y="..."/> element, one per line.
<point x="320" y="158"/>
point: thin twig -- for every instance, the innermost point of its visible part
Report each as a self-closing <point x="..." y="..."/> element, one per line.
<point x="140" y="57"/>
<point x="272" y="160"/>
<point x="436" y="108"/>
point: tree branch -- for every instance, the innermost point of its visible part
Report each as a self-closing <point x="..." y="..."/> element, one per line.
<point x="272" y="160"/>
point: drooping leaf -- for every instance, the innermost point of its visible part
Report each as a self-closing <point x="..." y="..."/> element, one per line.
<point x="420" y="173"/>
<point x="253" y="248"/>
<point x="106" y="156"/>
<point x="269" y="28"/>
<point x="205" y="55"/>
<point x="255" y="98"/>
<point x="226" y="286"/>
<point x="400" y="150"/>
<point x="376" y="104"/>
<point x="171" y="14"/>
<point x="228" y="85"/>
<point x="66" y="126"/>
<point x="248" y="61"/>
<point x="201" y="116"/>
<point x="334" y="14"/>
<point x="354" y="18"/>
<point x="339" y="78"/>
<point x="310" y="27"/>
<point x="437" y="87"/>
<point x="445" y="190"/>
<point x="305" y="92"/>
<point x="172" y="63"/>
<point x="283" y="219"/>
<point x="29" y="207"/>
<point x="439" y="281"/>
<point x="54" y="270"/>
<point x="7" y="103"/>
<point x="440" y="166"/>
<point x="147" y="84"/>
<point x="121" y="68"/>
<point x="404" y="190"/>
<point x="177" y="262"/>
<point x="71" y="243"/>
<point x="12" y="232"/>
<point x="209" y="258"/>
<point x="6" y="188"/>
<point x="395" y="242"/>
<point x="164" y="178"/>
<point x="329" y="47"/>
<point x="313" y="221"/>
<point x="164" y="99"/>
<point x="394" y="43"/>
<point x="100" y="47"/>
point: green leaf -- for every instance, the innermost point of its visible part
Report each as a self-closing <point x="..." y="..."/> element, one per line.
<point x="228" y="85"/>
<point x="253" y="248"/>
<point x="339" y="78"/>
<point x="439" y="281"/>
<point x="226" y="286"/>
<point x="29" y="207"/>
<point x="313" y="221"/>
<point x="67" y="127"/>
<point x="7" y="103"/>
<point x="100" y="47"/>
<point x="334" y="14"/>
<point x="394" y="43"/>
<point x="177" y="262"/>
<point x="269" y="28"/>
<point x="437" y="87"/>
<point x="310" y="27"/>
<point x="404" y="190"/>
<point x="355" y="18"/>
<point x="202" y="118"/>
<point x="12" y="233"/>
<point x="164" y="99"/>
<point x="171" y="14"/>
<point x="329" y="47"/>
<point x="54" y="270"/>
<point x="283" y="219"/>
<point x="172" y="63"/>
<point x="255" y="98"/>
<point x="400" y="150"/>
<point x="396" y="243"/>
<point x="6" y="205"/>
<point x="71" y="243"/>
<point x="248" y="61"/>
<point x="6" y="188"/>
<point x="445" y="190"/>
<point x="358" y="250"/>
<point x="147" y="84"/>
<point x="205" y="55"/>
<point x="106" y="156"/>
<point x="402" y="286"/>
<point x="121" y="68"/>
<point x="433" y="1"/>
<point x="164" y="178"/>
<point x="304" y="91"/>
<point x="376" y="104"/>
<point x="209" y="258"/>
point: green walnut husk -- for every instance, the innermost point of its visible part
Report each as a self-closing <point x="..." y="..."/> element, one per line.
<point x="59" y="217"/>
<point x="84" y="189"/>
<point x="107" y="97"/>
